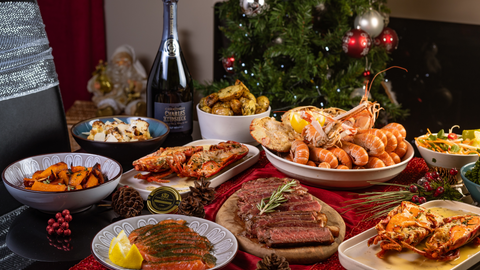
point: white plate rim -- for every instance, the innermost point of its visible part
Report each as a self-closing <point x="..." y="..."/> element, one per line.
<point x="216" y="180"/>
<point x="224" y="242"/>
<point x="348" y="262"/>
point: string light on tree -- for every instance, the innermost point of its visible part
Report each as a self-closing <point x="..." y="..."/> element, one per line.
<point x="253" y="7"/>
<point x="356" y="43"/>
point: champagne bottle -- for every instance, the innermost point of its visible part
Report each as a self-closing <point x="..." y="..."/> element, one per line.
<point x="169" y="85"/>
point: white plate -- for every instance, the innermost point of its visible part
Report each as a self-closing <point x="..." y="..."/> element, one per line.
<point x="338" y="179"/>
<point x="225" y="244"/>
<point x="182" y="183"/>
<point x="354" y="253"/>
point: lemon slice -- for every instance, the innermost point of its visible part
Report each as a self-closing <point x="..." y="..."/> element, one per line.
<point x="298" y="123"/>
<point x="123" y="254"/>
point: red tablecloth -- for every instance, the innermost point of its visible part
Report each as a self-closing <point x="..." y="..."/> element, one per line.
<point x="355" y="224"/>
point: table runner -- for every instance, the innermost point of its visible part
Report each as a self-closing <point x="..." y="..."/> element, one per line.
<point x="355" y="224"/>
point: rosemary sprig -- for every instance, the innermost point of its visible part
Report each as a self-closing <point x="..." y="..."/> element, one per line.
<point x="276" y="199"/>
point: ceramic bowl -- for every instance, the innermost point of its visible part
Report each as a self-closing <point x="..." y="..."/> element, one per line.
<point x="75" y="200"/>
<point x="443" y="160"/>
<point x="472" y="187"/>
<point x="233" y="128"/>
<point x="338" y="179"/>
<point x="123" y="152"/>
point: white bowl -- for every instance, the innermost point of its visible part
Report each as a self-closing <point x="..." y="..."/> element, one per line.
<point x="448" y="161"/>
<point x="75" y="200"/>
<point x="338" y="179"/>
<point x="233" y="128"/>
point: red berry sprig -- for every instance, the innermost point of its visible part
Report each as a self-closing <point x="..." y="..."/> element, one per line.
<point x="61" y="225"/>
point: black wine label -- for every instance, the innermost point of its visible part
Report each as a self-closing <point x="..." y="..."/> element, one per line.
<point x="171" y="47"/>
<point x="178" y="116"/>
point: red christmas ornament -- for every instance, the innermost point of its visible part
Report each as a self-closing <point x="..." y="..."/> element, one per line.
<point x="228" y="64"/>
<point x="388" y="39"/>
<point x="356" y="43"/>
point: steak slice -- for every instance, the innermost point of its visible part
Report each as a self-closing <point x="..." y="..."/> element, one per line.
<point x="264" y="182"/>
<point x="267" y="191"/>
<point x="260" y="231"/>
<point x="251" y="226"/>
<point x="313" y="206"/>
<point x="291" y="197"/>
<point x="297" y="236"/>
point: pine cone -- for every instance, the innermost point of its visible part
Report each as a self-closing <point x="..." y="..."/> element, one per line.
<point x="202" y="191"/>
<point x="127" y="202"/>
<point x="273" y="262"/>
<point x="191" y="206"/>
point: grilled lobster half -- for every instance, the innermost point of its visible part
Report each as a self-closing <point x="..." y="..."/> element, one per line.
<point x="189" y="161"/>
<point x="446" y="240"/>
<point x="407" y="224"/>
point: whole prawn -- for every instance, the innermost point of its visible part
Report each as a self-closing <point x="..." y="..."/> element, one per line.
<point x="371" y="143"/>
<point x="323" y="155"/>
<point x="299" y="151"/>
<point x="357" y="153"/>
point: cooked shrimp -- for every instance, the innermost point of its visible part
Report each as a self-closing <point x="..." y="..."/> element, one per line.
<point x="311" y="163"/>
<point x="323" y="155"/>
<point x="324" y="165"/>
<point x="342" y="156"/>
<point x="398" y="127"/>
<point x="386" y="158"/>
<point x="377" y="132"/>
<point x="395" y="133"/>
<point x="371" y="143"/>
<point x="375" y="162"/>
<point x="395" y="157"/>
<point x="342" y="167"/>
<point x="358" y="167"/>
<point x="357" y="153"/>
<point x="391" y="141"/>
<point x="300" y="152"/>
<point x="401" y="149"/>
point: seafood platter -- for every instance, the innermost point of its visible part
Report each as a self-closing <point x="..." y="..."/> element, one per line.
<point x="439" y="234"/>
<point x="304" y="229"/>
<point x="162" y="168"/>
<point x="333" y="148"/>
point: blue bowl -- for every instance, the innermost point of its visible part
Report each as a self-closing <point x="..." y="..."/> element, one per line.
<point x="472" y="187"/>
<point x="123" y="152"/>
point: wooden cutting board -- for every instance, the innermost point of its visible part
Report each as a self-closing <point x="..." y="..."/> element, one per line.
<point x="227" y="217"/>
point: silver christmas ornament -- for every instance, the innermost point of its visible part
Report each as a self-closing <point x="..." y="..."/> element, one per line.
<point x="253" y="7"/>
<point x="371" y="22"/>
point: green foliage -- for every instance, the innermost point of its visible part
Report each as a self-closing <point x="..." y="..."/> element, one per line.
<point x="474" y="174"/>
<point x="308" y="66"/>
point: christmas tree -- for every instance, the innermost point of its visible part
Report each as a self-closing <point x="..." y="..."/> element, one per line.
<point x="304" y="52"/>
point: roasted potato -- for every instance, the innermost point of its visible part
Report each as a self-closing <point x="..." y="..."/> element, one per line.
<point x="262" y="104"/>
<point x="248" y="108"/>
<point x="206" y="109"/>
<point x="202" y="102"/>
<point x="249" y="96"/>
<point x="211" y="99"/>
<point x="222" y="111"/>
<point x="221" y="104"/>
<point x="230" y="92"/>
<point x="236" y="106"/>
<point x="245" y="89"/>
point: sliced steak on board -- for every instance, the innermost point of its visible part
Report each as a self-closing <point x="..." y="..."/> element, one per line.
<point x="294" y="236"/>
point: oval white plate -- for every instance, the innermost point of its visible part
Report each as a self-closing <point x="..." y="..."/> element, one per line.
<point x="182" y="183"/>
<point x="338" y="179"/>
<point x="225" y="245"/>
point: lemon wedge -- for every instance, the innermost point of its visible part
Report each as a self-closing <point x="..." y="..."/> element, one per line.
<point x="123" y="254"/>
<point x="298" y="123"/>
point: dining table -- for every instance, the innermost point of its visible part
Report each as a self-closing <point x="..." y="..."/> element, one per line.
<point x="31" y="248"/>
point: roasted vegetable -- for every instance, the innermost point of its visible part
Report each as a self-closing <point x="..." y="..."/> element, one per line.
<point x="262" y="104"/>
<point x="236" y="106"/>
<point x="230" y="92"/>
<point x="211" y="99"/>
<point x="222" y="111"/>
